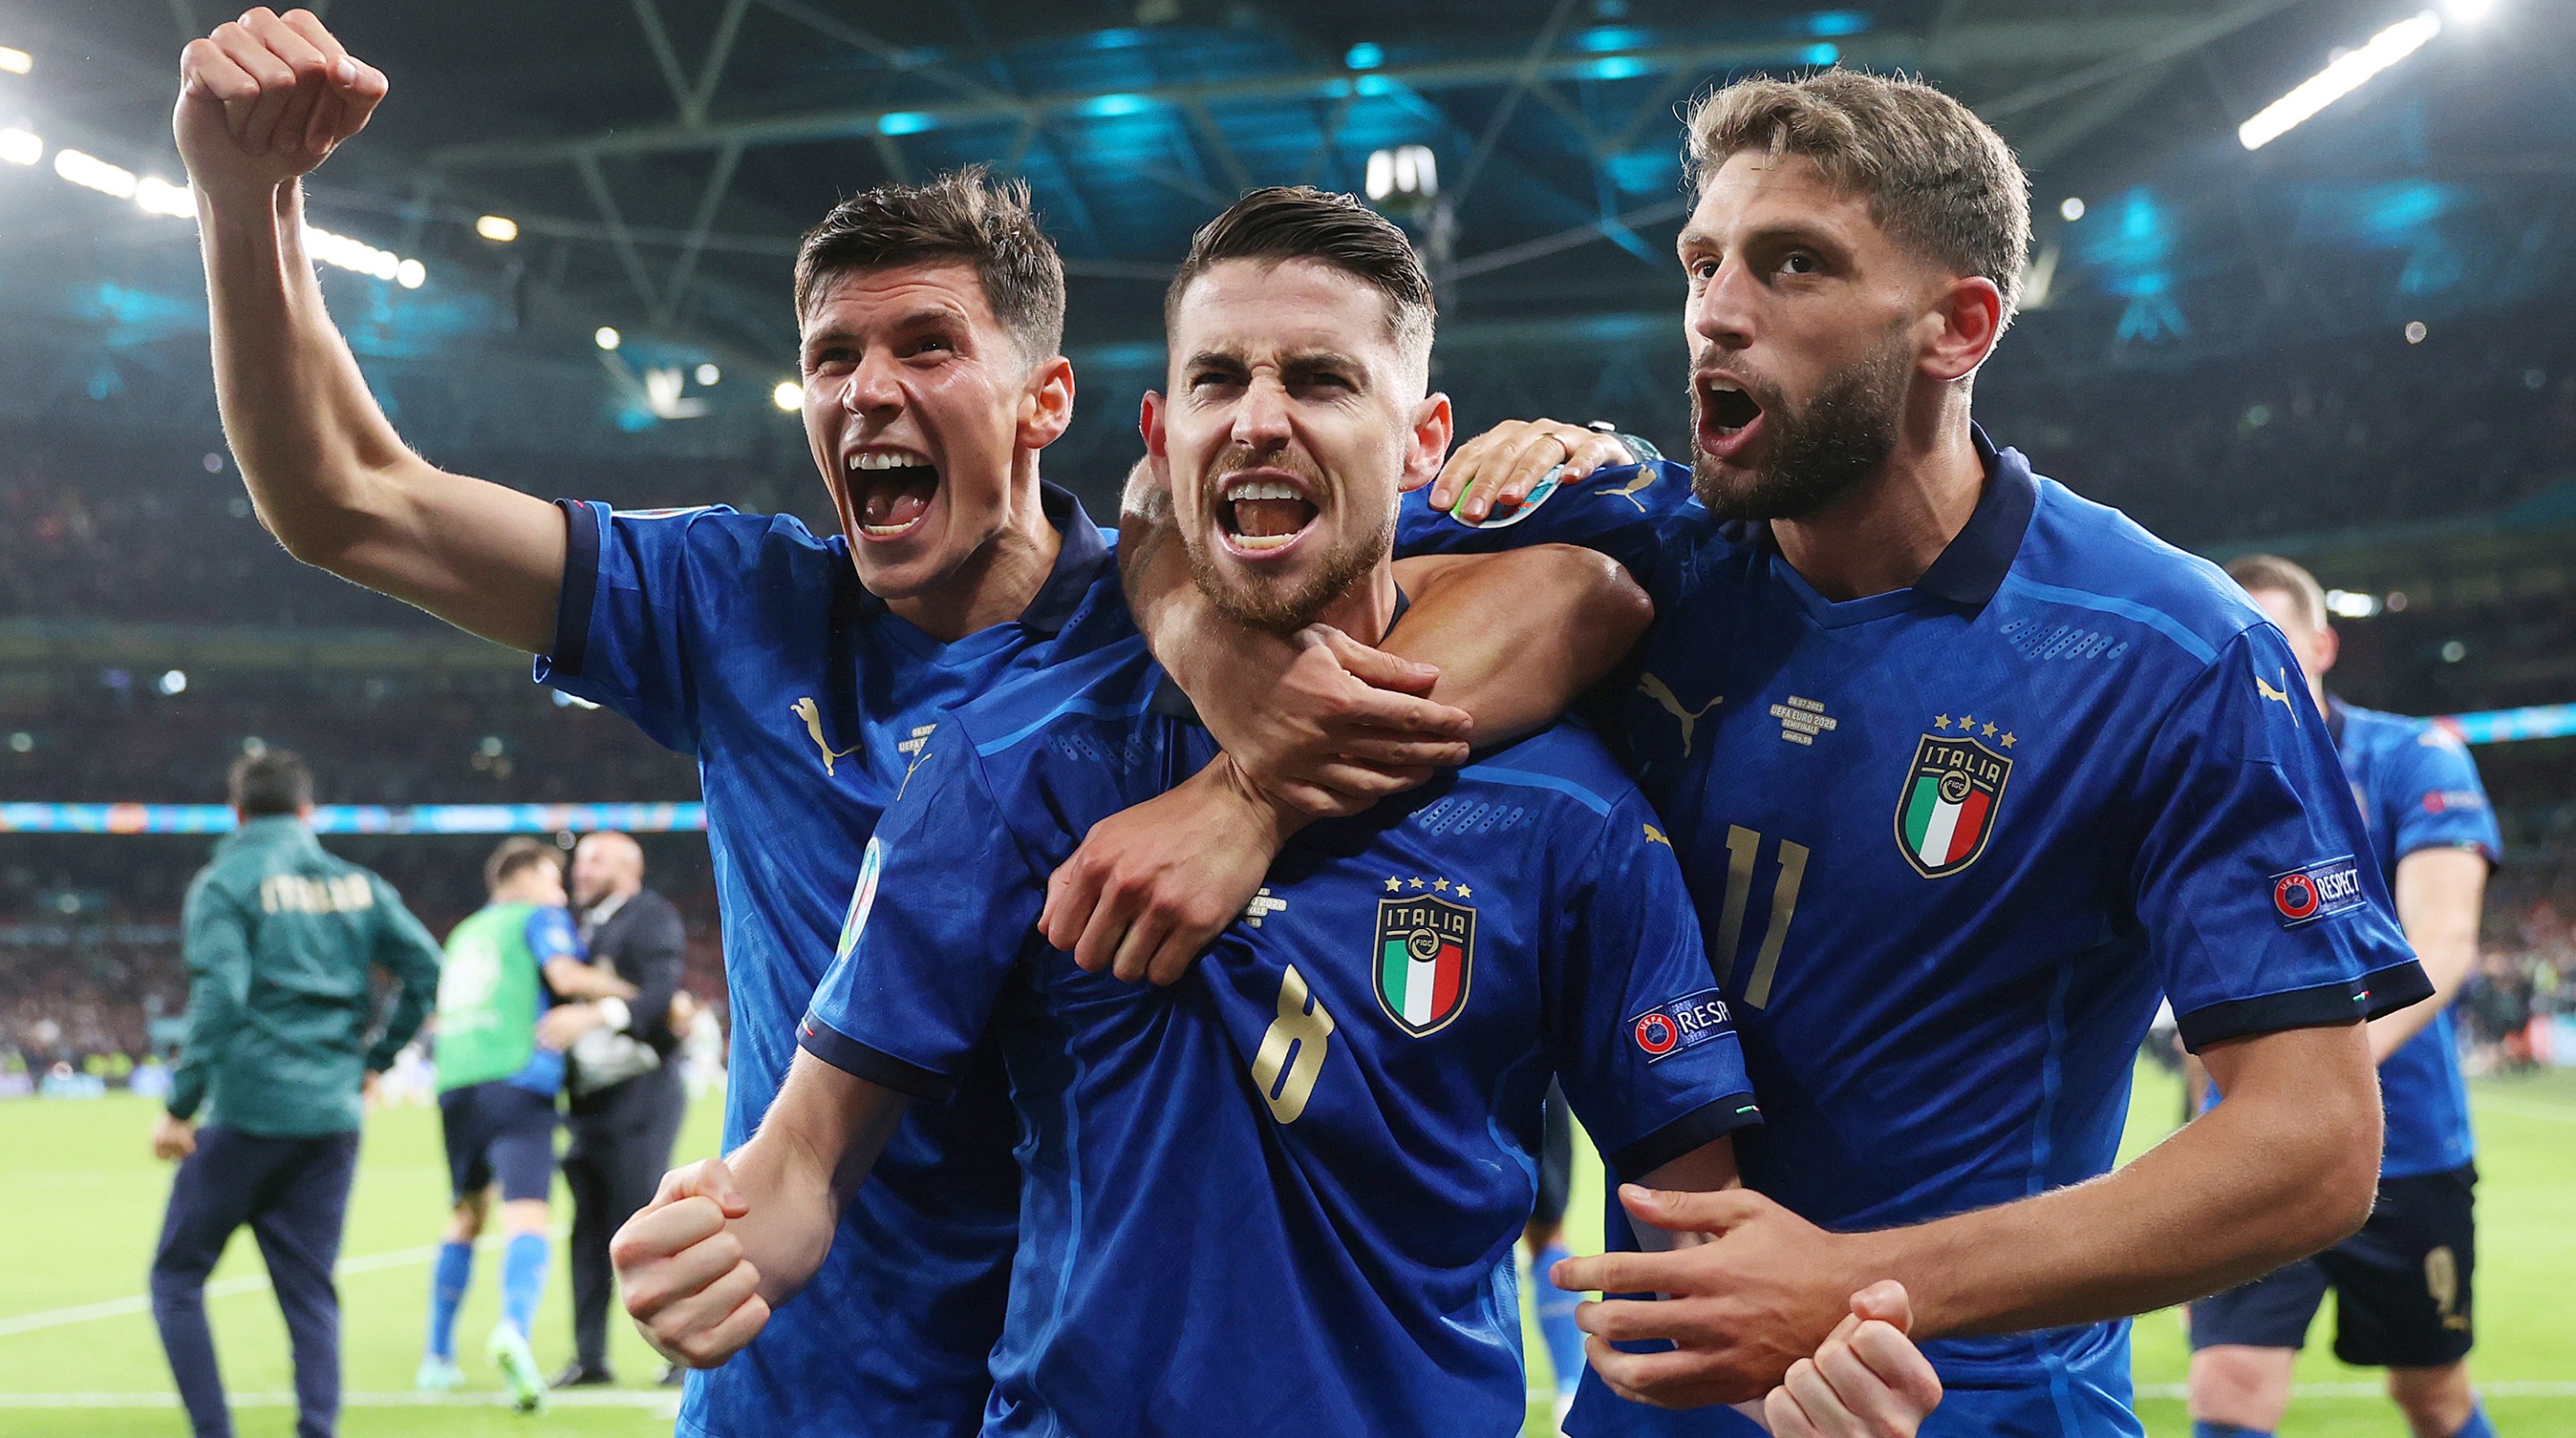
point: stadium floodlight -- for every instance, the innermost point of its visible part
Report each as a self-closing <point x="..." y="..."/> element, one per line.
<point x="16" y="61"/>
<point x="499" y="229"/>
<point x="156" y="196"/>
<point x="2470" y="12"/>
<point x="607" y="337"/>
<point x="411" y="274"/>
<point x="174" y="682"/>
<point x="21" y="147"/>
<point x="90" y="172"/>
<point x="2343" y="75"/>
<point x="708" y="375"/>
<point x="349" y="254"/>
<point x="2071" y="209"/>
<point x="1408" y="171"/>
<point x="789" y="396"/>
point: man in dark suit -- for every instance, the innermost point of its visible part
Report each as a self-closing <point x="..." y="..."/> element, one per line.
<point x="627" y="1099"/>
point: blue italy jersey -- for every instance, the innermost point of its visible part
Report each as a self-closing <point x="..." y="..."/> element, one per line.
<point x="1950" y="843"/>
<point x="748" y="642"/>
<point x="1280" y="1196"/>
<point x="550" y="935"/>
<point x="2418" y="790"/>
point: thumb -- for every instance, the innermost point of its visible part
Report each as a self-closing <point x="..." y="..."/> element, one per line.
<point x="714" y="1180"/>
<point x="1690" y="1212"/>
<point x="1887" y="1302"/>
<point x="1375" y="667"/>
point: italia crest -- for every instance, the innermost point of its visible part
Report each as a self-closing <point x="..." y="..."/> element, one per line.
<point x="1426" y="957"/>
<point x="1947" y="809"/>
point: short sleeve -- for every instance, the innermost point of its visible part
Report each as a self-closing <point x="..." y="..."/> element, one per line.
<point x="944" y="901"/>
<point x="2262" y="907"/>
<point x="551" y="936"/>
<point x="632" y="600"/>
<point x="1641" y="515"/>
<point x="1644" y="1045"/>
<point x="2440" y="804"/>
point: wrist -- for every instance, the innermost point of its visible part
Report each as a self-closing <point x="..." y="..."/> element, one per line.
<point x="613" y="1013"/>
<point x="1274" y="819"/>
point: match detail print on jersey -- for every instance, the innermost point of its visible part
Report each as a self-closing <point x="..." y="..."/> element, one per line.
<point x="1948" y="807"/>
<point x="1426" y="957"/>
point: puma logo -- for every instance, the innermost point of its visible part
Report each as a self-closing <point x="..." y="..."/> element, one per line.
<point x="812" y="713"/>
<point x="1646" y="477"/>
<point x="2282" y="694"/>
<point x="1657" y="690"/>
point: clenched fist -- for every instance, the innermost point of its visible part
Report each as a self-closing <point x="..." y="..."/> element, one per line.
<point x="686" y="1282"/>
<point x="265" y="99"/>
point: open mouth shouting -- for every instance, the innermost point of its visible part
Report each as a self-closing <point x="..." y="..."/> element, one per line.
<point x="1261" y="512"/>
<point x="1728" y="415"/>
<point x="891" y="488"/>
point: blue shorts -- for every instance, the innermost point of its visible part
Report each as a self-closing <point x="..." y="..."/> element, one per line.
<point x="499" y="1133"/>
<point x="2401" y="1284"/>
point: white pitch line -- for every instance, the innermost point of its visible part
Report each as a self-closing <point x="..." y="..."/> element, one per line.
<point x="2522" y="1389"/>
<point x="2501" y="1103"/>
<point x="577" y="1398"/>
<point x="228" y="1287"/>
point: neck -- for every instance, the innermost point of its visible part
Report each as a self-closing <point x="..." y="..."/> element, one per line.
<point x="1886" y="532"/>
<point x="2317" y="691"/>
<point x="1001" y="578"/>
<point x="1367" y="610"/>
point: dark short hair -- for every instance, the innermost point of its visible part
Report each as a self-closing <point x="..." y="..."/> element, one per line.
<point x="516" y="853"/>
<point x="1300" y="222"/>
<point x="964" y="215"/>
<point x="270" y="781"/>
<point x="1938" y="179"/>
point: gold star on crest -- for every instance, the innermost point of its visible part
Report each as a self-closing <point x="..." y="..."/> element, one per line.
<point x="1417" y="883"/>
<point x="1392" y="885"/>
<point x="1990" y="731"/>
<point x="1941" y="723"/>
<point x="1442" y="885"/>
<point x="2010" y="741"/>
<point x="1966" y="723"/>
<point x="1466" y="893"/>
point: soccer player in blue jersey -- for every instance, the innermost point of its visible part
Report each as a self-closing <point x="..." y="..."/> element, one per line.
<point x="2401" y="1284"/>
<point x="1963" y="771"/>
<point x="802" y="672"/>
<point x="1282" y="1196"/>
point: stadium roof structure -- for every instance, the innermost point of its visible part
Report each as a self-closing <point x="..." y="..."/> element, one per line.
<point x="659" y="159"/>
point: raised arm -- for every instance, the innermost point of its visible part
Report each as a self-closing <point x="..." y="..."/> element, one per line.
<point x="262" y="102"/>
<point x="725" y="1240"/>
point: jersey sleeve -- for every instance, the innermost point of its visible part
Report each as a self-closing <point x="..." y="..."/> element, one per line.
<point x="1643" y="1044"/>
<point x="944" y="900"/>
<point x="635" y="600"/>
<point x="2262" y="907"/>
<point x="2440" y="804"/>
<point x="1638" y="514"/>
<point x="551" y="936"/>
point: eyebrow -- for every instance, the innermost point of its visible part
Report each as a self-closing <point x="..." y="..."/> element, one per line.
<point x="924" y="318"/>
<point x="1798" y="232"/>
<point x="1300" y="361"/>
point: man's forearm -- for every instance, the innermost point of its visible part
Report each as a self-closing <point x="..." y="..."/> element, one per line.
<point x="1516" y="678"/>
<point x="2439" y="893"/>
<point x="2280" y="1170"/>
<point x="813" y="1150"/>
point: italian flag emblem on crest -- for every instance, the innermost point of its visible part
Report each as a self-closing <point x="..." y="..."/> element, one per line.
<point x="1426" y="957"/>
<point x="1947" y="810"/>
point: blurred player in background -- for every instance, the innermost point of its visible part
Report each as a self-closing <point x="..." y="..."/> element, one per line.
<point x="500" y="1060"/>
<point x="1544" y="1238"/>
<point x="2401" y="1285"/>
<point x="804" y="673"/>
<point x="1963" y="770"/>
<point x="1279" y="1198"/>
<point x="282" y="941"/>
<point x="624" y="1078"/>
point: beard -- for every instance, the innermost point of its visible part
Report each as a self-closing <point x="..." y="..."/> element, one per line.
<point x="1282" y="604"/>
<point x="1818" y="452"/>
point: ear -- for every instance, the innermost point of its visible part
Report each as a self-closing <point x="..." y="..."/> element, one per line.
<point x="2328" y="645"/>
<point x="1970" y="317"/>
<point x="1426" y="444"/>
<point x="1046" y="406"/>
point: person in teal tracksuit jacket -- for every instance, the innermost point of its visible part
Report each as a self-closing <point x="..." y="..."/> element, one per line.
<point x="282" y="940"/>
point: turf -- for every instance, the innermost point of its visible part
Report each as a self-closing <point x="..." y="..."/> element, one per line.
<point x="81" y="1201"/>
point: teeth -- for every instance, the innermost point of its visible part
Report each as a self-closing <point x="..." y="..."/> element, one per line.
<point x="886" y="459"/>
<point x="1719" y="386"/>
<point x="1263" y="541"/>
<point x="1261" y="489"/>
<point x="887" y="531"/>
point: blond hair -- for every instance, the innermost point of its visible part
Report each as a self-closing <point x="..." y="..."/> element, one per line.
<point x="2257" y="573"/>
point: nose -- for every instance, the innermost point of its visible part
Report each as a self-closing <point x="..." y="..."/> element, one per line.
<point x="872" y="386"/>
<point x="1722" y="312"/>
<point x="1261" y="418"/>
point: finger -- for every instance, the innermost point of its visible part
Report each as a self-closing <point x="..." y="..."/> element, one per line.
<point x="207" y="73"/>
<point x="731" y="1336"/>
<point x="1072" y="891"/>
<point x="1642" y="1377"/>
<point x="1388" y="749"/>
<point x="309" y="27"/>
<point x="1173" y="958"/>
<point x="1593" y="452"/>
<point x="1615" y="1273"/>
<point x="1097" y="948"/>
<point x="1888" y="1302"/>
<point x="270" y="74"/>
<point x="700" y="1313"/>
<point x="1900" y="1365"/>
<point x="1466" y="459"/>
<point x="1375" y="667"/>
<point x="1514" y="478"/>
<point x="1370" y="784"/>
<point x="1824" y="1407"/>
<point x="1630" y="1320"/>
<point x="308" y="66"/>
<point x="1862" y="1391"/>
<point x="1132" y="960"/>
<point x="711" y="1179"/>
<point x="660" y="1233"/>
<point x="322" y="130"/>
<point x="1782" y="1415"/>
<point x="1691" y="1212"/>
<point x="656" y="1287"/>
<point x="1374" y="708"/>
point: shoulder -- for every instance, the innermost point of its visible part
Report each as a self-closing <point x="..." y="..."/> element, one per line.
<point x="717" y="531"/>
<point x="2409" y="744"/>
<point x="2079" y="557"/>
<point x="1562" y="774"/>
<point x="1109" y="687"/>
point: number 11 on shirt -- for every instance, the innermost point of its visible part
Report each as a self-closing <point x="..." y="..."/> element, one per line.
<point x="1743" y="852"/>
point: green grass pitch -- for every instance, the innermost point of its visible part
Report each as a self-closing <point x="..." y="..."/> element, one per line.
<point x="80" y="1203"/>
